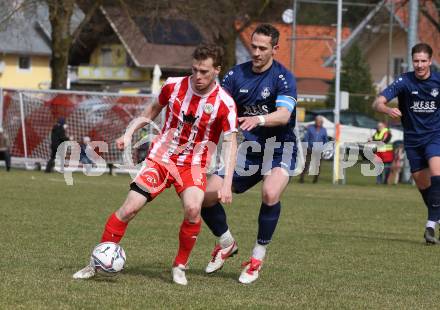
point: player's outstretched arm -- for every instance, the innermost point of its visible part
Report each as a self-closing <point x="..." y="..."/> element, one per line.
<point x="150" y="112"/>
<point x="279" y="117"/>
<point x="380" y="105"/>
<point x="229" y="154"/>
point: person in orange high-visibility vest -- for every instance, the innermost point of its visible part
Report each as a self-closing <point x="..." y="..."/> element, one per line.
<point x="384" y="151"/>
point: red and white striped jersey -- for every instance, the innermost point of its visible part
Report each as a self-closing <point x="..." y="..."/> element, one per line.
<point x="193" y="123"/>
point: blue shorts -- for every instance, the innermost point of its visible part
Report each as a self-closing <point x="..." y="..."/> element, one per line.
<point x="251" y="167"/>
<point x="419" y="156"/>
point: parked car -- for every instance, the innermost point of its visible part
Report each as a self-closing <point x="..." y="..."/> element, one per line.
<point x="356" y="128"/>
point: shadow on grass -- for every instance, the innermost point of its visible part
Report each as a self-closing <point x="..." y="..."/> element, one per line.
<point x="218" y="274"/>
<point x="162" y="272"/>
<point x="106" y="279"/>
<point x="154" y="270"/>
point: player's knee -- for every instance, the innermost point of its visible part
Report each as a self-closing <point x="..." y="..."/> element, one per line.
<point x="270" y="196"/>
<point x="192" y="211"/>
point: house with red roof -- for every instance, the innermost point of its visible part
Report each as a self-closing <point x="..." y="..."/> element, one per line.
<point x="313" y="45"/>
<point x="118" y="52"/>
<point x="372" y="34"/>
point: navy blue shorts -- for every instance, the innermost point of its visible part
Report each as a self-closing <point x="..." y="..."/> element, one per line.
<point x="251" y="167"/>
<point x="419" y="156"/>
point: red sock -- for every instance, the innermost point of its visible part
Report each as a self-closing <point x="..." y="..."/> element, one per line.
<point x="187" y="239"/>
<point x="114" y="229"/>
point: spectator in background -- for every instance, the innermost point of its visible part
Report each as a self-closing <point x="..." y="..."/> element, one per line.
<point x="384" y="151"/>
<point x="397" y="164"/>
<point x="4" y="149"/>
<point x="316" y="135"/>
<point x="57" y="136"/>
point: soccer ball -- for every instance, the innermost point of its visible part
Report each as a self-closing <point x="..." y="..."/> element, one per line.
<point x="108" y="258"/>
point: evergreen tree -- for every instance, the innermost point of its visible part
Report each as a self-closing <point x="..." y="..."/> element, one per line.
<point x="355" y="79"/>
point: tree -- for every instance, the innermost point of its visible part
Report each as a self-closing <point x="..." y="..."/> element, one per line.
<point x="431" y="17"/>
<point x="355" y="79"/>
<point x="215" y="19"/>
<point x="62" y="36"/>
<point x="63" y="32"/>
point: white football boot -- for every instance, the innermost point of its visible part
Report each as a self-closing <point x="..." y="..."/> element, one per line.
<point x="86" y="273"/>
<point x="178" y="273"/>
<point x="250" y="271"/>
<point x="219" y="257"/>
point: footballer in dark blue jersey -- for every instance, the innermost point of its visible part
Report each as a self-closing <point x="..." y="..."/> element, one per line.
<point x="418" y="94"/>
<point x="265" y="95"/>
<point x="261" y="94"/>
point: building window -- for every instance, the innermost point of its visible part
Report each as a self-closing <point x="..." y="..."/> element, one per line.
<point x="129" y="62"/>
<point x="106" y="57"/>
<point x="397" y="67"/>
<point x="24" y="63"/>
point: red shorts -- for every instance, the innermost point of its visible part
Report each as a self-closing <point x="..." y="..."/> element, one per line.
<point x="154" y="178"/>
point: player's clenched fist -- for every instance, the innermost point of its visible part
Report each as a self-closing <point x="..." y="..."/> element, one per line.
<point x="248" y="122"/>
<point x="225" y="194"/>
<point x="394" y="112"/>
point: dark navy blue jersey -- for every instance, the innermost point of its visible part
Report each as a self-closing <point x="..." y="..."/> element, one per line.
<point x="260" y="94"/>
<point x="419" y="102"/>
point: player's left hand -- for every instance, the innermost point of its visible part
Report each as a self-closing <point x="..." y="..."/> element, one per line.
<point x="248" y="122"/>
<point x="225" y="194"/>
<point x="394" y="112"/>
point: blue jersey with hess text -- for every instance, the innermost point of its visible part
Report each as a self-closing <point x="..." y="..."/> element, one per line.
<point x="419" y="102"/>
<point x="260" y="94"/>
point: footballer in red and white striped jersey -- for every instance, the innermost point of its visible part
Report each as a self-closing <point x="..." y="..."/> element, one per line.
<point x="193" y="123"/>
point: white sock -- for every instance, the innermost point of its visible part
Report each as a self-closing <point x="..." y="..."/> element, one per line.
<point x="226" y="239"/>
<point x="430" y="224"/>
<point x="259" y="251"/>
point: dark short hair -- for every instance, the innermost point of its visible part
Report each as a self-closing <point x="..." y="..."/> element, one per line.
<point x="422" y="48"/>
<point x="268" y="30"/>
<point x="205" y="51"/>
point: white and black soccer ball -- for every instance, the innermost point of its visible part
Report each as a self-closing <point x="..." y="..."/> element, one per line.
<point x="108" y="258"/>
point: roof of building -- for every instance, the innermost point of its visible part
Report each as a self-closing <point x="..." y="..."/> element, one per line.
<point x="313" y="45"/>
<point x="144" y="53"/>
<point x="28" y="30"/>
<point x="367" y="33"/>
<point x="21" y="34"/>
<point x="427" y="31"/>
<point x="169" y="31"/>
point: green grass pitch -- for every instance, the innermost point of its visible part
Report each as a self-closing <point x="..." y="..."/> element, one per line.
<point x="354" y="246"/>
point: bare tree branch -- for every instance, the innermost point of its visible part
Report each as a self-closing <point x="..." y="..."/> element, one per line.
<point x="20" y="7"/>
<point x="89" y="14"/>
<point x="426" y="13"/>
